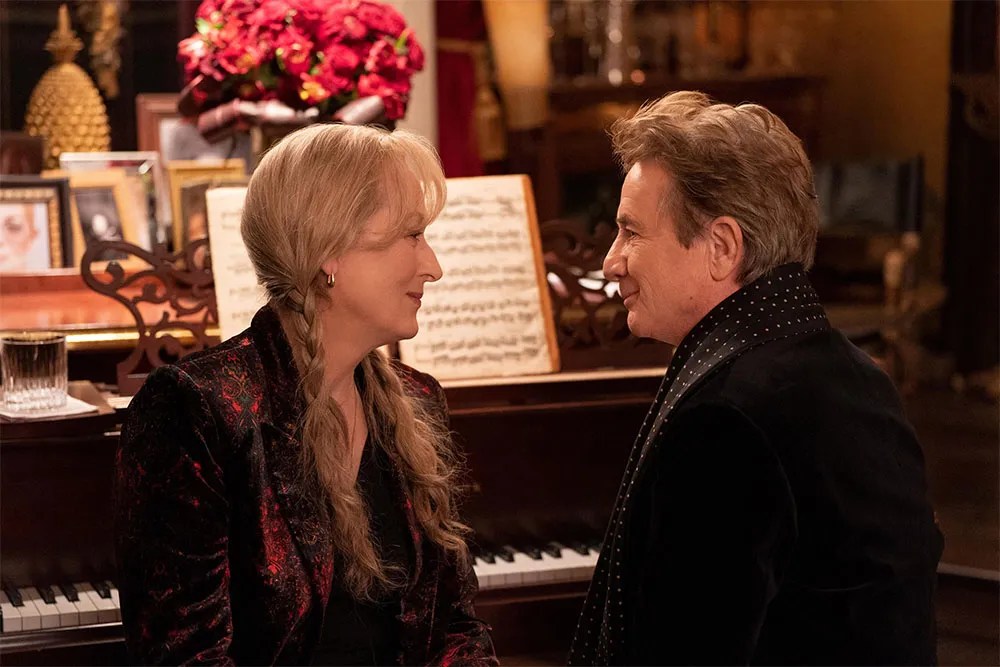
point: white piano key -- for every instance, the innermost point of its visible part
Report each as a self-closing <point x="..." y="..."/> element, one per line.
<point x="31" y="619"/>
<point x="11" y="615"/>
<point x="86" y="608"/>
<point x="69" y="615"/>
<point x="577" y="567"/>
<point x="105" y="607"/>
<point x="484" y="573"/>
<point x="508" y="574"/>
<point x="48" y="613"/>
<point x="529" y="568"/>
<point x="116" y="600"/>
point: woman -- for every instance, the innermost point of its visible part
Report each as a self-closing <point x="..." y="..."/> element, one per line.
<point x="286" y="497"/>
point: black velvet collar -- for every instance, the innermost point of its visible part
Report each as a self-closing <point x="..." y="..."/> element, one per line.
<point x="778" y="305"/>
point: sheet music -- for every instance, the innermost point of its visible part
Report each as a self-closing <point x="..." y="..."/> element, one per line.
<point x="237" y="293"/>
<point x="485" y="317"/>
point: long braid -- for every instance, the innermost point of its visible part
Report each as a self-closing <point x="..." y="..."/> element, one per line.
<point x="430" y="462"/>
<point x="324" y="422"/>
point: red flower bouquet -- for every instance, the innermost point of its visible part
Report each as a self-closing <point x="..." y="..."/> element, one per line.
<point x="307" y="54"/>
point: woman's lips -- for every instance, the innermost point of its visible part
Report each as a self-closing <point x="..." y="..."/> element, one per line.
<point x="416" y="296"/>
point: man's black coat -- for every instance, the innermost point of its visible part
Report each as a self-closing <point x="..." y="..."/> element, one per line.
<point x="777" y="514"/>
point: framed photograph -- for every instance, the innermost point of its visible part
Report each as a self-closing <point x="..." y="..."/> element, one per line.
<point x="182" y="172"/>
<point x="194" y="215"/>
<point x="102" y="209"/>
<point x="151" y="110"/>
<point x="146" y="181"/>
<point x="161" y="128"/>
<point x="33" y="213"/>
<point x="21" y="153"/>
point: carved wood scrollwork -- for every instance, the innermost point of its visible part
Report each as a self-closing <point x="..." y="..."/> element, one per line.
<point x="180" y="283"/>
<point x="591" y="320"/>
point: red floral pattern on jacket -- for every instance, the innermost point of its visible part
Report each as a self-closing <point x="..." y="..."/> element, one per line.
<point x="223" y="554"/>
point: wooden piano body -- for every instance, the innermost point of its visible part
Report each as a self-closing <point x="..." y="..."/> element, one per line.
<point x="544" y="454"/>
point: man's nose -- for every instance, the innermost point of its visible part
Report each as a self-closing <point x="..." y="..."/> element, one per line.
<point x="614" y="263"/>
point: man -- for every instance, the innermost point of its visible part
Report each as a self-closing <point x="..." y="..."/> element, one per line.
<point x="773" y="509"/>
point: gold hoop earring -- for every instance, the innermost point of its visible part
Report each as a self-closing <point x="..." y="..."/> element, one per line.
<point x="330" y="280"/>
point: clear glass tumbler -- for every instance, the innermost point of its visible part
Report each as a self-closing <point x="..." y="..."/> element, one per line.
<point x="34" y="371"/>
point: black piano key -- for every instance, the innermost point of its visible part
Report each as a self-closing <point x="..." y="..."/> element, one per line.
<point x="102" y="589"/>
<point x="505" y="554"/>
<point x="552" y="549"/>
<point x="14" y="596"/>
<point x="69" y="590"/>
<point x="579" y="547"/>
<point x="487" y="556"/>
<point x="47" y="594"/>
<point x="533" y="552"/>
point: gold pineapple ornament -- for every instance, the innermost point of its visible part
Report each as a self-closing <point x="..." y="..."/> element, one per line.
<point x="65" y="107"/>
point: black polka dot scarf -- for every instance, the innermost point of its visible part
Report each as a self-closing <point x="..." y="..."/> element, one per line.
<point x="778" y="305"/>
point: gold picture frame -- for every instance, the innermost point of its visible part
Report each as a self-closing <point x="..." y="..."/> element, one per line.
<point x="28" y="196"/>
<point x="181" y="172"/>
<point x="103" y="193"/>
<point x="147" y="179"/>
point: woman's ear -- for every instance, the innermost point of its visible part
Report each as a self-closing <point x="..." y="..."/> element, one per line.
<point x="330" y="266"/>
<point x="725" y="248"/>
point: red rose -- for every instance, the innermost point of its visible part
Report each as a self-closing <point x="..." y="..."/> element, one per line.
<point x="341" y="59"/>
<point x="238" y="7"/>
<point x="307" y="14"/>
<point x="381" y="18"/>
<point x="336" y="82"/>
<point x="270" y="13"/>
<point x="413" y="61"/>
<point x="312" y="91"/>
<point x="206" y="10"/>
<point x="382" y="57"/>
<point x="190" y="51"/>
<point x="294" y="51"/>
<point x="394" y="94"/>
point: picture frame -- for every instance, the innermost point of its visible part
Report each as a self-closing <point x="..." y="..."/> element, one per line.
<point x="21" y="153"/>
<point x="151" y="110"/>
<point x="161" y="128"/>
<point x="101" y="208"/>
<point x="34" y="211"/>
<point x="146" y="180"/>
<point x="193" y="206"/>
<point x="181" y="172"/>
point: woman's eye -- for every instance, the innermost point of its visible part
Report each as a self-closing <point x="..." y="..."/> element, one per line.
<point x="415" y="235"/>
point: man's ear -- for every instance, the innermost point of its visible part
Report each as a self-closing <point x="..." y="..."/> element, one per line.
<point x="725" y="248"/>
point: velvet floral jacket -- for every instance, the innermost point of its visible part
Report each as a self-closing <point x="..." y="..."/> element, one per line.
<point x="223" y="555"/>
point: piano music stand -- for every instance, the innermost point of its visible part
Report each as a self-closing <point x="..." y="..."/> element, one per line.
<point x="180" y="284"/>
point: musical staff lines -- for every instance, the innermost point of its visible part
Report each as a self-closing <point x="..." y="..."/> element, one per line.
<point x="485" y="316"/>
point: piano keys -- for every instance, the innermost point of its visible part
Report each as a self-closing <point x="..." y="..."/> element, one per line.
<point x="71" y="605"/>
<point x="507" y="567"/>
